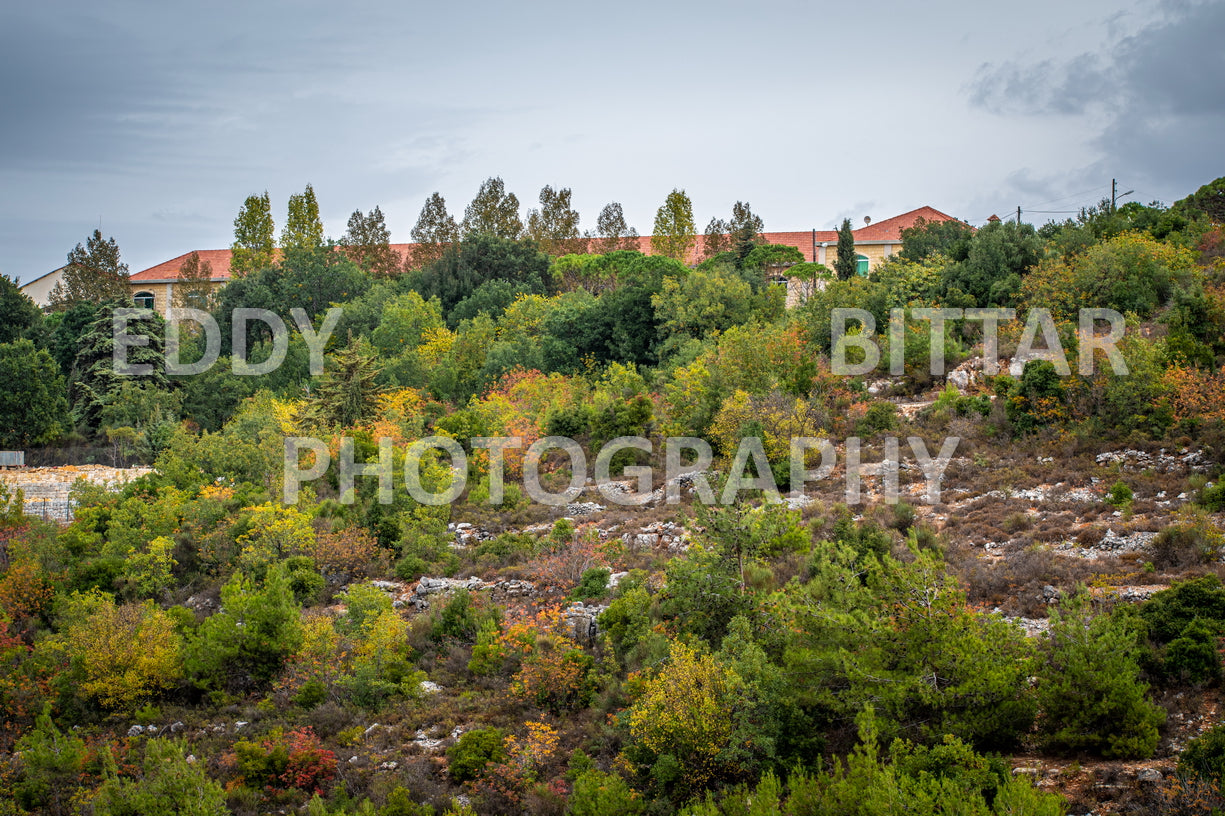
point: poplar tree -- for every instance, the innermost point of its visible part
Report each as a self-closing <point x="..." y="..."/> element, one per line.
<point x="845" y="265"/>
<point x="254" y="236"/>
<point x="612" y="231"/>
<point x="555" y="225"/>
<point x="493" y="212"/>
<point x="367" y="242"/>
<point x="675" y="233"/>
<point x="303" y="229"/>
<point x="434" y="232"/>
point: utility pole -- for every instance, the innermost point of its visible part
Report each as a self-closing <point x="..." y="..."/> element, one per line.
<point x="1114" y="188"/>
<point x="1018" y="215"/>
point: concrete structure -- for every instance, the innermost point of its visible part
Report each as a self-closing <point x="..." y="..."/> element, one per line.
<point x="39" y="289"/>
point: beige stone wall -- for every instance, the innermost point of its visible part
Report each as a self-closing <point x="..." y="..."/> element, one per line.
<point x="875" y="253"/>
<point x="163" y="294"/>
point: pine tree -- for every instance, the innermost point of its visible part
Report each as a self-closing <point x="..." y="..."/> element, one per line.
<point x="347" y="394"/>
<point x="94" y="273"/>
<point x="555" y="225"/>
<point x="845" y="266"/>
<point x="303" y="229"/>
<point x="95" y="380"/>
<point x="254" y="237"/>
<point x="435" y="231"/>
<point x="493" y="212"/>
<point x="367" y="242"/>
<point x="744" y="230"/>
<point x="614" y="234"/>
<point x="1090" y="692"/>
<point x="674" y="233"/>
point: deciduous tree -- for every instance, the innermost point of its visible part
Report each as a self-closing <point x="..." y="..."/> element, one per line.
<point x="674" y="233"/>
<point x="18" y="314"/>
<point x="555" y="225"/>
<point x="612" y="231"/>
<point x="303" y="229"/>
<point x="367" y="242"/>
<point x="435" y="231"/>
<point x="33" y="403"/>
<point x="493" y="212"/>
<point x="254" y="236"/>
<point x="123" y="654"/>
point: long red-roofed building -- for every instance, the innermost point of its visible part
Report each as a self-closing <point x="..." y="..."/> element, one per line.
<point x="154" y="287"/>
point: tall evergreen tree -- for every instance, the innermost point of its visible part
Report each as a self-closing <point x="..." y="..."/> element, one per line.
<point x="254" y="236"/>
<point x="94" y="273"/>
<point x="555" y="225"/>
<point x="95" y="377"/>
<point x="303" y="229"/>
<point x="367" y="242"/>
<point x="493" y="212"/>
<point x="845" y="264"/>
<point x="674" y="233"/>
<point x="435" y="231"/>
<point x="348" y="392"/>
<point x="744" y="230"/>
<point x="612" y="231"/>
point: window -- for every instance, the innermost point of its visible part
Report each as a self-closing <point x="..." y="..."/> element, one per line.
<point x="861" y="264"/>
<point x="144" y="299"/>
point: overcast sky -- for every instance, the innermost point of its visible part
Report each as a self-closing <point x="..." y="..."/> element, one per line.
<point x="155" y="120"/>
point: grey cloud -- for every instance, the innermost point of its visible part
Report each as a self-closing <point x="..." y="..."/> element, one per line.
<point x="1159" y="93"/>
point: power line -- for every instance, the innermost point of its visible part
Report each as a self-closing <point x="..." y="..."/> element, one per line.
<point x="1073" y="195"/>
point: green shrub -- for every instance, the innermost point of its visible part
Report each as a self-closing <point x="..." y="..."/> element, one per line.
<point x="168" y="786"/>
<point x="1192" y="657"/>
<point x="1186" y="544"/>
<point x="1169" y="612"/>
<point x="363" y="604"/>
<point x="1119" y="495"/>
<point x="593" y="585"/>
<point x="881" y="416"/>
<point x="473" y="751"/>
<point x="1204" y="756"/>
<point x="600" y="794"/>
<point x="311" y="694"/>
<point x="400" y="803"/>
<point x="1089" y="691"/>
<point x="458" y="620"/>
<point x="1213" y="498"/>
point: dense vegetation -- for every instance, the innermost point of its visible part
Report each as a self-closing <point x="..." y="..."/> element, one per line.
<point x="805" y="660"/>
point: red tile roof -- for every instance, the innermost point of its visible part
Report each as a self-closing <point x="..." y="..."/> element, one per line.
<point x="891" y="228"/>
<point x="888" y="230"/>
<point x="169" y="270"/>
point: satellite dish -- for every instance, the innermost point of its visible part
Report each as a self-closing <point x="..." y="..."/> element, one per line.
<point x="867" y="219"/>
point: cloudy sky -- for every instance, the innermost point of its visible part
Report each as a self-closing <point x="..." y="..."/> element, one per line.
<point x="155" y="120"/>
